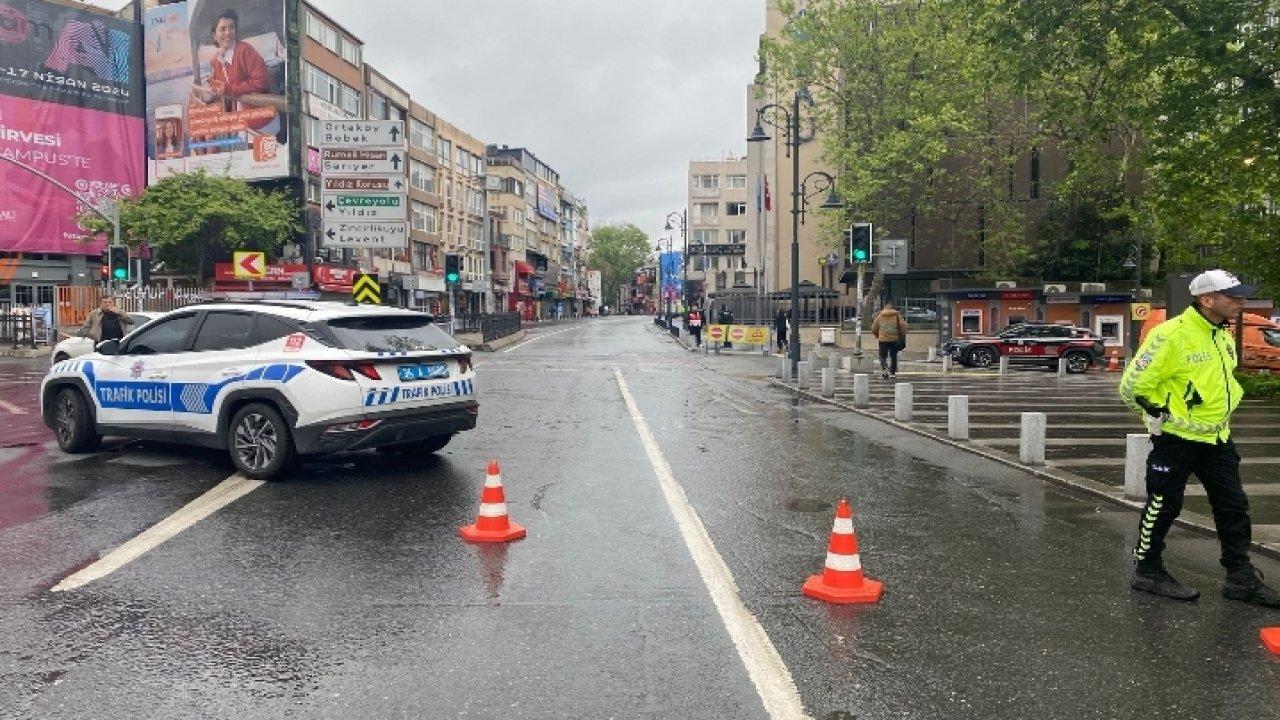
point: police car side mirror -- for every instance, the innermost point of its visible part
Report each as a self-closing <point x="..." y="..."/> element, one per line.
<point x="108" y="347"/>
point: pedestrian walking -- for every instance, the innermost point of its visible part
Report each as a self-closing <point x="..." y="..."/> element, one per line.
<point x="1182" y="382"/>
<point x="890" y="330"/>
<point x="780" y="329"/>
<point x="106" y="322"/>
<point x="693" y="321"/>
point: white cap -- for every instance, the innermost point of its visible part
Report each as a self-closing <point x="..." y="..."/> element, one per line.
<point x="1221" y="281"/>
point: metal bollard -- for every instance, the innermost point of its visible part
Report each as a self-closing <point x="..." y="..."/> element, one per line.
<point x="813" y="359"/>
<point x="1004" y="364"/>
<point x="1062" y="367"/>
<point x="828" y="382"/>
<point x="902" y="402"/>
<point x="846" y="364"/>
<point x="958" y="417"/>
<point x="946" y="363"/>
<point x="862" y="390"/>
<point x="835" y="362"/>
<point x="1031" y="441"/>
<point x="783" y="370"/>
<point x="933" y="354"/>
<point x="1137" y="446"/>
<point x="802" y="375"/>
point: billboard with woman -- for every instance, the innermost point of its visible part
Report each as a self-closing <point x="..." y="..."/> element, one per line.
<point x="216" y="94"/>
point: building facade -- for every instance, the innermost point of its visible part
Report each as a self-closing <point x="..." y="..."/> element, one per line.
<point x="725" y="251"/>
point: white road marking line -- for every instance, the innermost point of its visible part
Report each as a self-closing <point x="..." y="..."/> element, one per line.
<point x="765" y="666"/>
<point x="538" y="337"/>
<point x="225" y="493"/>
<point x="12" y="408"/>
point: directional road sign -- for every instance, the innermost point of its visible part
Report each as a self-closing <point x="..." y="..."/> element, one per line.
<point x="366" y="234"/>
<point x="362" y="133"/>
<point x="356" y="161"/>
<point x="361" y="206"/>
<point x="249" y="265"/>
<point x="366" y="289"/>
<point x="365" y="183"/>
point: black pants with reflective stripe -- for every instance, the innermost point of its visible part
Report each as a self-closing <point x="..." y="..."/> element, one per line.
<point x="1171" y="462"/>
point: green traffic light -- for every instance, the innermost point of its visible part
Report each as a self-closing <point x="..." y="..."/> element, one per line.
<point x="859" y="255"/>
<point x="120" y="273"/>
<point x="451" y="277"/>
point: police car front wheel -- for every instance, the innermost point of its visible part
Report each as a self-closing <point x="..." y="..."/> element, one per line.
<point x="259" y="441"/>
<point x="73" y="424"/>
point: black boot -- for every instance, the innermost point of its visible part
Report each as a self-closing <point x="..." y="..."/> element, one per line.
<point x="1246" y="585"/>
<point x="1157" y="581"/>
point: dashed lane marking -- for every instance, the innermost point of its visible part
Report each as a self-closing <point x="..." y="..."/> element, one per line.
<point x="768" y="672"/>
<point x="539" y="337"/>
<point x="10" y="407"/>
<point x="225" y="493"/>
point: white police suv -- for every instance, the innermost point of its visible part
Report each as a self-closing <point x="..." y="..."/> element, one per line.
<point x="268" y="381"/>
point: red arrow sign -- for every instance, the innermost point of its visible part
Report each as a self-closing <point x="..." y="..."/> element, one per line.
<point x="250" y="265"/>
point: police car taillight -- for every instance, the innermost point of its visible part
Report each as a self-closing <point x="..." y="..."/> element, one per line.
<point x="353" y="426"/>
<point x="345" y="369"/>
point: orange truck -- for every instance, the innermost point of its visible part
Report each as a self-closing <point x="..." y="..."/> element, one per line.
<point x="1261" y="340"/>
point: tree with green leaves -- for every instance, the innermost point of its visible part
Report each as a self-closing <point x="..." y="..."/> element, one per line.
<point x="191" y="220"/>
<point x="914" y="118"/>
<point x="617" y="251"/>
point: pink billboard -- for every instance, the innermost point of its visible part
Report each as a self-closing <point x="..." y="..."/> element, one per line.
<point x="98" y="154"/>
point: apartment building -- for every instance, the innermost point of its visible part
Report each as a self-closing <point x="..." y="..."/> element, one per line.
<point x="333" y="83"/>
<point x="426" y="202"/>
<point x="525" y="194"/>
<point x="575" y="240"/>
<point x="725" y="251"/>
<point x="461" y="174"/>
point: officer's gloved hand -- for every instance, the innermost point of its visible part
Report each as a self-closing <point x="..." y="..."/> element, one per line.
<point x="1151" y="408"/>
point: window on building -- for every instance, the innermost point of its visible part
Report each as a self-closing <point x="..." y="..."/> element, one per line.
<point x="311" y="130"/>
<point x="518" y="215"/>
<point x="422" y="176"/>
<point x="706" y="182"/>
<point x="423" y="217"/>
<point x="461" y="159"/>
<point x="377" y="106"/>
<point x="736" y="182"/>
<point x="735" y="208"/>
<point x="421" y="256"/>
<point x="421" y="136"/>
<point x="705" y="237"/>
<point x="739" y="278"/>
<point x="707" y="212"/>
<point x="350" y="52"/>
<point x="444" y="149"/>
<point x="736" y="236"/>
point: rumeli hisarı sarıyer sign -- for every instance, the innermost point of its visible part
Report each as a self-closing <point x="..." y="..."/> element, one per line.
<point x="70" y="107"/>
<point x="216" y="88"/>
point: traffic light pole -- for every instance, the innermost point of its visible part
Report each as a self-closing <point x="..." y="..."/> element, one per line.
<point x="857" y="321"/>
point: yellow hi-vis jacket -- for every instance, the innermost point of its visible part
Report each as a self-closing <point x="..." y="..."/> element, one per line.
<point x="1186" y="365"/>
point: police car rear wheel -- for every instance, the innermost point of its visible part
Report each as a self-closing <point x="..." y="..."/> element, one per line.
<point x="982" y="357"/>
<point x="73" y="424"/>
<point x="259" y="441"/>
<point x="1077" y="362"/>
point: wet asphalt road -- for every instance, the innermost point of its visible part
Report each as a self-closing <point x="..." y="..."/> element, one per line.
<point x="344" y="591"/>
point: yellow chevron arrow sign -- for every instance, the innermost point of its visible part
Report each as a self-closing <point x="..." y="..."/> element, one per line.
<point x="367" y="290"/>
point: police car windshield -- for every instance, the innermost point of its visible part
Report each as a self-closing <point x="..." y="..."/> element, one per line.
<point x="389" y="333"/>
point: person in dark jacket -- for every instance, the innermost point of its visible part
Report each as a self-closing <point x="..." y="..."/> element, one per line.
<point x="725" y="317"/>
<point x="780" y="329"/>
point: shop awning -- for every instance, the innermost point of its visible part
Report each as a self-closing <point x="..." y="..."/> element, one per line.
<point x="523" y="268"/>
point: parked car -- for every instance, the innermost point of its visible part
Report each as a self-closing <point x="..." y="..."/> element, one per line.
<point x="81" y="344"/>
<point x="1261" y="341"/>
<point x="268" y="381"/>
<point x="1030" y="343"/>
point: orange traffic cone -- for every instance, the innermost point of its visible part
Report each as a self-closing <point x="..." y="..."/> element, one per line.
<point x="841" y="580"/>
<point x="492" y="524"/>
<point x="1271" y="639"/>
<point x="1113" y="362"/>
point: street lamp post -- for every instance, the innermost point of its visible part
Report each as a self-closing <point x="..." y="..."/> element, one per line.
<point x="799" y="199"/>
<point x="683" y="218"/>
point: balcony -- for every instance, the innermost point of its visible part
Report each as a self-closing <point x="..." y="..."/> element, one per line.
<point x="704" y="192"/>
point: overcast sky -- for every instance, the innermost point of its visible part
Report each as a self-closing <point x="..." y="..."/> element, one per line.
<point x="615" y="95"/>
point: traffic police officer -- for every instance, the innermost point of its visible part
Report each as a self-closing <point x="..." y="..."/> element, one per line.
<point x="1182" y="380"/>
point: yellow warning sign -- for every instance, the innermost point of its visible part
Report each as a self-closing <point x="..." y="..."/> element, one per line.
<point x="1140" y="311"/>
<point x="717" y="332"/>
<point x="757" y="335"/>
<point x="366" y="290"/>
